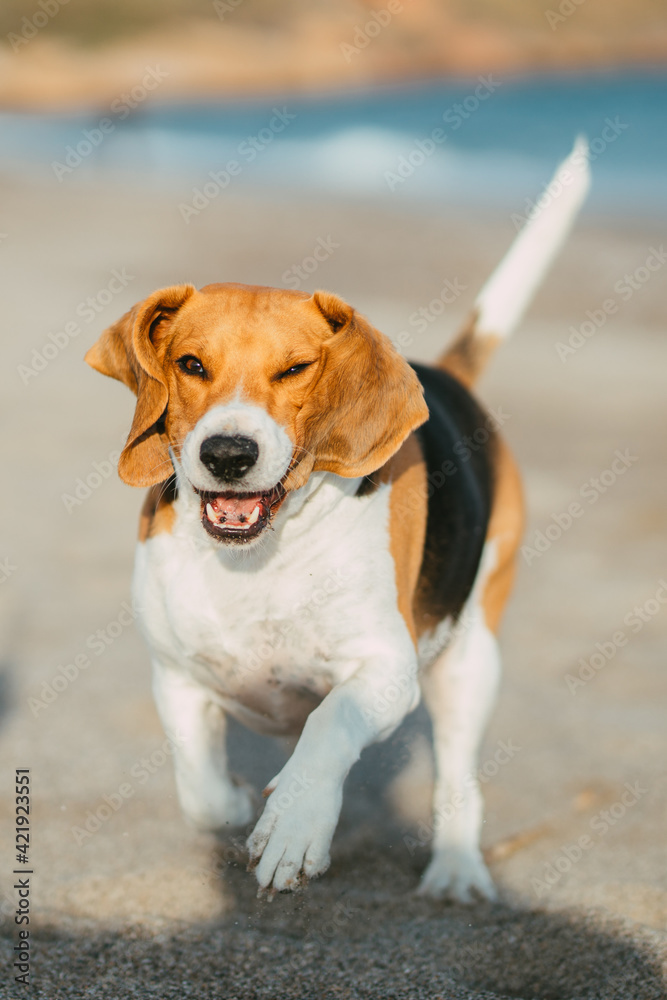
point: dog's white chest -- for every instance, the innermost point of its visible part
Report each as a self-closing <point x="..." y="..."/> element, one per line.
<point x="271" y="636"/>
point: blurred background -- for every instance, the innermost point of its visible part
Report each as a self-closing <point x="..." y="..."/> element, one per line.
<point x="390" y="152"/>
<point x="181" y="85"/>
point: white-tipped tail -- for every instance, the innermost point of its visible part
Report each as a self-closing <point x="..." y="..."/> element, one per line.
<point x="507" y="294"/>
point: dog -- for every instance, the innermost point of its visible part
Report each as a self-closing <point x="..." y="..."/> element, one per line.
<point x="329" y="536"/>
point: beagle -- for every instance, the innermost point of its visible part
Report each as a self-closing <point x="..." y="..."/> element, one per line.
<point x="329" y="535"/>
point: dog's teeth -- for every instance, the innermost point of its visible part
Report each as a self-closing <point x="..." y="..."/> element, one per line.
<point x="254" y="516"/>
<point x="210" y="513"/>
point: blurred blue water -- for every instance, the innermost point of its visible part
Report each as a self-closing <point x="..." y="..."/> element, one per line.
<point x="500" y="140"/>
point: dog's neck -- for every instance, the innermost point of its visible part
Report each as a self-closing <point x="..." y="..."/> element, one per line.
<point x="303" y="511"/>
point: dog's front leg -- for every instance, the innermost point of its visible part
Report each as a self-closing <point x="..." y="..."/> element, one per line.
<point x="209" y="797"/>
<point x="292" y="839"/>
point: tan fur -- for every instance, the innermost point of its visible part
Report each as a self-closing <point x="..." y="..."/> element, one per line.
<point x="127" y="351"/>
<point x="351" y="412"/>
<point x="407" y="523"/>
<point x="505" y="530"/>
<point x="467" y="357"/>
<point x="157" y="513"/>
<point x="347" y="413"/>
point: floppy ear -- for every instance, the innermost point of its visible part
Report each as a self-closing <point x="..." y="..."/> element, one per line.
<point x="366" y="400"/>
<point x="126" y="351"/>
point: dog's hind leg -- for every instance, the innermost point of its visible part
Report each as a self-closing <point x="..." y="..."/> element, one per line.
<point x="459" y="690"/>
<point x="196" y="726"/>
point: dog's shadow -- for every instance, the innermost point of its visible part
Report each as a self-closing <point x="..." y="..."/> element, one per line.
<point x="365" y="919"/>
<point x="358" y="932"/>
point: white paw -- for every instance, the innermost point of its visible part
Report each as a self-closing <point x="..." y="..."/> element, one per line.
<point x="293" y="835"/>
<point x="456" y="873"/>
<point x="219" y="809"/>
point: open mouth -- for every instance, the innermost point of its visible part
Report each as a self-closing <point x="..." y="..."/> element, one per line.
<point x="239" y="517"/>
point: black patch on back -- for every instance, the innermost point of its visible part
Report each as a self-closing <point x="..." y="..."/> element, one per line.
<point x="458" y="442"/>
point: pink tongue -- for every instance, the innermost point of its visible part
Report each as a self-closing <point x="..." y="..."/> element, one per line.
<point x="233" y="507"/>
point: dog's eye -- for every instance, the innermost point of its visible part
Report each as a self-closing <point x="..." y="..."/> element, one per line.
<point x="191" y="365"/>
<point x="294" y="370"/>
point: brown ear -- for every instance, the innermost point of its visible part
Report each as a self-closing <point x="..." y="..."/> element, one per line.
<point x="366" y="400"/>
<point x="126" y="351"/>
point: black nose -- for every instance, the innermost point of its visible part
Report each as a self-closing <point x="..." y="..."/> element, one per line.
<point x="228" y="458"/>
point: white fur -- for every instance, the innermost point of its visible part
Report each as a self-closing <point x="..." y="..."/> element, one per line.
<point x="303" y="628"/>
<point x="508" y="292"/>
<point x="239" y="418"/>
<point x="459" y="690"/>
<point x="304" y="631"/>
<point x="459" y="683"/>
<point x="208" y="796"/>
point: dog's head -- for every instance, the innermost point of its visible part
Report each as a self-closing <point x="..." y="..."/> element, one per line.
<point x="248" y="390"/>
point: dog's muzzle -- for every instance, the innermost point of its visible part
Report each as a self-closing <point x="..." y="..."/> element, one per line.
<point x="233" y="515"/>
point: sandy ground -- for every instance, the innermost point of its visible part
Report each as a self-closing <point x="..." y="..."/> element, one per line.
<point x="144" y="907"/>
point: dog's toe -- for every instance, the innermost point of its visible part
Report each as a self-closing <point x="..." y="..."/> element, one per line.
<point x="288" y="875"/>
<point x="291" y="840"/>
<point x="457" y="875"/>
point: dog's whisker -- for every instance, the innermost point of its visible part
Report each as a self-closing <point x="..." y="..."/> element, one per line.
<point x="166" y="487"/>
<point x="166" y="464"/>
